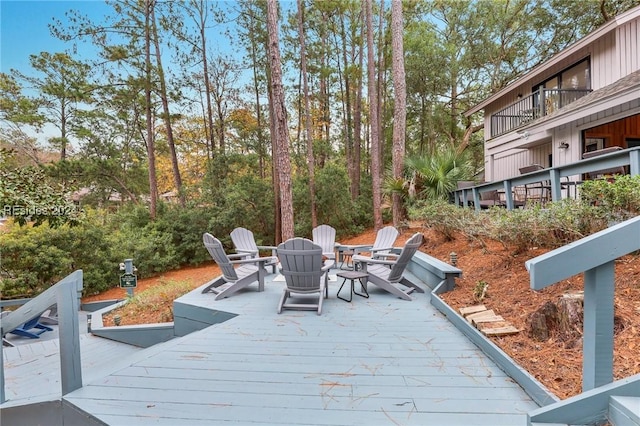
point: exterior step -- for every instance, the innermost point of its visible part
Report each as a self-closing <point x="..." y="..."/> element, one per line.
<point x="624" y="411"/>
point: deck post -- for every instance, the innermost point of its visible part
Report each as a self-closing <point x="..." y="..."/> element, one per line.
<point x="2" y="396"/>
<point x="69" y="333"/>
<point x="556" y="188"/>
<point x="508" y="195"/>
<point x="597" y="367"/>
<point x="634" y="162"/>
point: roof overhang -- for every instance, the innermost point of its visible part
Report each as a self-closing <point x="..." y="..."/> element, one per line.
<point x="616" y="22"/>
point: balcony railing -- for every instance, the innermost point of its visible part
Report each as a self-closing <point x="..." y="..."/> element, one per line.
<point x="558" y="177"/>
<point x="538" y="104"/>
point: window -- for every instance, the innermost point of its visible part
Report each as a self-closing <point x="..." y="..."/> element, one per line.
<point x="633" y="142"/>
<point x="576" y="77"/>
<point x="593" y="144"/>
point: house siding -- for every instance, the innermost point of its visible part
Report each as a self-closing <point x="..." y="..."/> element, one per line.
<point x="507" y="163"/>
<point x="628" y="40"/>
<point x="603" y="54"/>
<point x="613" y="55"/>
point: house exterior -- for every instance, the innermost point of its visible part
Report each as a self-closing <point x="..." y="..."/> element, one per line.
<point x="583" y="99"/>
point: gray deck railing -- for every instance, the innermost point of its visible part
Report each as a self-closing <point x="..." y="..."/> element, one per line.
<point x="538" y="104"/>
<point x="558" y="177"/>
<point x="594" y="256"/>
<point x="64" y="294"/>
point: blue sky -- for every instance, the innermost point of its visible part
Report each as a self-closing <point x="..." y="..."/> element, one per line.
<point x="24" y="28"/>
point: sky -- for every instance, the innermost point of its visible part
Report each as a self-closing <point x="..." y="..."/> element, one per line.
<point x="24" y="29"/>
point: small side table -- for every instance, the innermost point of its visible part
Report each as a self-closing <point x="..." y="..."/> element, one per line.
<point x="352" y="276"/>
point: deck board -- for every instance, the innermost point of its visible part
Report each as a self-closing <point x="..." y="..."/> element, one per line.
<point x="373" y="361"/>
<point x="32" y="371"/>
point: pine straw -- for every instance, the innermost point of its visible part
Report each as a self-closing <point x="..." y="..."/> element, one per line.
<point x="556" y="363"/>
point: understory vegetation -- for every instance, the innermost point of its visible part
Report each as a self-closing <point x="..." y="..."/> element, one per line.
<point x="34" y="257"/>
<point x="550" y="225"/>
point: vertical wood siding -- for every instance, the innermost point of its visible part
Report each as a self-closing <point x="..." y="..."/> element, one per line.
<point x="507" y="164"/>
<point x="617" y="131"/>
<point x="603" y="55"/>
<point x="628" y="37"/>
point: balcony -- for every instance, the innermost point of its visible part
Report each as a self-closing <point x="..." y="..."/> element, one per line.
<point x="538" y="104"/>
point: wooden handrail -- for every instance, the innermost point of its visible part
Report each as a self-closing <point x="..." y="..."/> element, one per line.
<point x="594" y="256"/>
<point x="64" y="294"/>
<point x="626" y="157"/>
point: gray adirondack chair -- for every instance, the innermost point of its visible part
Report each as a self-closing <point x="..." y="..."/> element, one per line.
<point x="245" y="243"/>
<point x="236" y="274"/>
<point x="305" y="273"/>
<point x="325" y="237"/>
<point x="388" y="274"/>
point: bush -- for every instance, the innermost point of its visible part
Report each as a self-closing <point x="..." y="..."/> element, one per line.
<point x="34" y="258"/>
<point x="619" y="198"/>
<point x="554" y="225"/>
<point x="335" y="207"/>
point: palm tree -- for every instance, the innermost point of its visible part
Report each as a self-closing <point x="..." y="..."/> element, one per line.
<point x="437" y="175"/>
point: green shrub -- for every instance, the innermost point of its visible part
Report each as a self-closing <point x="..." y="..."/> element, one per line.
<point x="34" y="258"/>
<point x="550" y="226"/>
<point x="619" y="198"/>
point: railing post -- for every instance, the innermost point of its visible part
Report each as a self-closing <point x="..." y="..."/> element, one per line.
<point x="508" y="195"/>
<point x="634" y="162"/>
<point x="476" y="199"/>
<point x="599" y="288"/>
<point x="541" y="104"/>
<point x="556" y="189"/>
<point x="69" y="333"/>
<point x="2" y="396"/>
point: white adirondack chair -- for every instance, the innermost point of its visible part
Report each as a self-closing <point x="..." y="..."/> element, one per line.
<point x="325" y="237"/>
<point x="388" y="274"/>
<point x="245" y="243"/>
<point x="383" y="244"/>
<point x="236" y="274"/>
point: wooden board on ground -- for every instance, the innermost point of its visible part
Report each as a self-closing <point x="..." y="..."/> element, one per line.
<point x="485" y="319"/>
<point x="478" y="315"/>
<point x="500" y="331"/>
<point x="472" y="310"/>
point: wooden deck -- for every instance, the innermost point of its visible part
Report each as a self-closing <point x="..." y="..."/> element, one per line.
<point x="32" y="368"/>
<point x="374" y="361"/>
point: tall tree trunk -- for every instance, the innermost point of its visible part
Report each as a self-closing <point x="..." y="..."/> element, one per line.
<point x="357" y="128"/>
<point x="325" y="106"/>
<point x="201" y="7"/>
<point x="153" y="182"/>
<point x="63" y="132"/>
<point x="347" y="108"/>
<point x="280" y="120"/>
<point x="400" y="106"/>
<point x="374" y="124"/>
<point x="307" y="116"/>
<point x="381" y="83"/>
<point x="177" y="179"/>
<point x="275" y="178"/>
